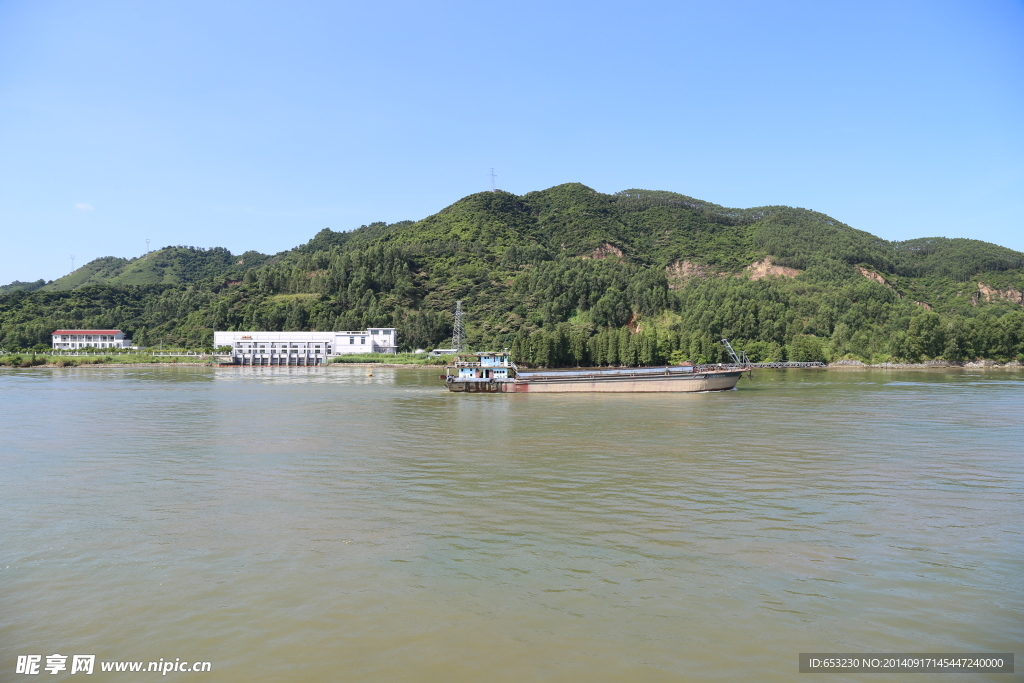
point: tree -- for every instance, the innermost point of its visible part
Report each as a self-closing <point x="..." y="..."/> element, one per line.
<point x="806" y="348"/>
<point x="611" y="310"/>
<point x="926" y="336"/>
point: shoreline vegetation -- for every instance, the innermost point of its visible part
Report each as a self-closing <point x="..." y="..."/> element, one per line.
<point x="409" y="360"/>
<point x="927" y="365"/>
<point x="32" y="359"/>
<point x="417" y="359"/>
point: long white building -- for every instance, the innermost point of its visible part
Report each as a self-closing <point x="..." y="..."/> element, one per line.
<point x="304" y="348"/>
<point x="90" y="339"/>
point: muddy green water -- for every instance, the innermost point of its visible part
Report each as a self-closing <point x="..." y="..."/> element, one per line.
<point x="320" y="525"/>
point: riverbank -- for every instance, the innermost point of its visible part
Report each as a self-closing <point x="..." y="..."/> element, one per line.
<point x="414" y="366"/>
<point x="42" y="361"/>
<point x="395" y="360"/>
<point x="928" y="365"/>
<point x="417" y="366"/>
<point x="128" y="365"/>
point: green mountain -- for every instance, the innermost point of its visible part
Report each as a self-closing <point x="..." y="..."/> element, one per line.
<point x="568" y="275"/>
<point x="19" y="286"/>
<point x="169" y="266"/>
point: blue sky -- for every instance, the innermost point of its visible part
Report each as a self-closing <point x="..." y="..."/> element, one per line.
<point x="253" y="125"/>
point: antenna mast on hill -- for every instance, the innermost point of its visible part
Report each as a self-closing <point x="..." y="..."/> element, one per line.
<point x="147" y="245"/>
<point x="72" y="263"/>
<point x="457" y="329"/>
<point x="493" y="176"/>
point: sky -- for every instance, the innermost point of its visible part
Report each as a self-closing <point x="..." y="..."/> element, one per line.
<point x="253" y="125"/>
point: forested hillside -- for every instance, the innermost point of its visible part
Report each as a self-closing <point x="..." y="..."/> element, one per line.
<point x="170" y="265"/>
<point x="570" y="276"/>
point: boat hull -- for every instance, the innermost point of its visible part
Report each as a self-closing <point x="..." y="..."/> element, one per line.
<point x="710" y="381"/>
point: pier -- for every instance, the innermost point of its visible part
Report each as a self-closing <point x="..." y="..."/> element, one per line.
<point x="790" y="364"/>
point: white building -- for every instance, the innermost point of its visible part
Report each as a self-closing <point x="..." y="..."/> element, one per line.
<point x="304" y="348"/>
<point x="90" y="339"/>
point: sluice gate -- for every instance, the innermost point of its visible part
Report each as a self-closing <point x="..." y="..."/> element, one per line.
<point x="267" y="360"/>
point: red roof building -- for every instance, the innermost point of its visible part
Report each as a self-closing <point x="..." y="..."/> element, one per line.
<point x="112" y="332"/>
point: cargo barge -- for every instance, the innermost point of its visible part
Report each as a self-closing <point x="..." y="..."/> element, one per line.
<point x="491" y="372"/>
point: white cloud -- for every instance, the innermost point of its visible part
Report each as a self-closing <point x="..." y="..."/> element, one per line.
<point x="82" y="206"/>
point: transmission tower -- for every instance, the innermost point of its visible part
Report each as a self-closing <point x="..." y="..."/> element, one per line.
<point x="72" y="263"/>
<point x="457" y="329"/>
<point x="147" y="245"/>
<point x="493" y="176"/>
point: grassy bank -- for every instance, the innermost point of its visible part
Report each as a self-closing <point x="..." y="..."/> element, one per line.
<point x="28" y="360"/>
<point x="396" y="359"/>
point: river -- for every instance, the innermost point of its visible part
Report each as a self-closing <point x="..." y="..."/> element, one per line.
<point x="319" y="524"/>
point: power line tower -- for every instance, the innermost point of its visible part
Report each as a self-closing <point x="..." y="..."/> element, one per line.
<point x="457" y="332"/>
<point x="493" y="176"/>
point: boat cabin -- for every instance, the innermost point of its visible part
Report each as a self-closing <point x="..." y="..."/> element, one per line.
<point x="484" y="366"/>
